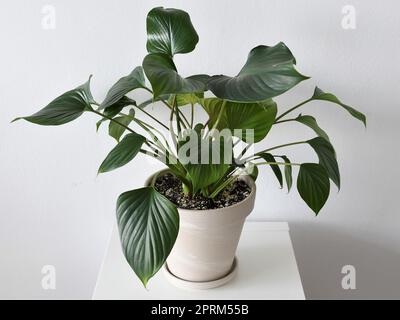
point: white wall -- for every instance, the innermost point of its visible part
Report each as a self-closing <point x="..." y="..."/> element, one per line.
<point x="55" y="211"/>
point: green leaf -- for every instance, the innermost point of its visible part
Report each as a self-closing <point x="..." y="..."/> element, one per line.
<point x="268" y="72"/>
<point x="64" y="108"/>
<point x="114" y="109"/>
<point x="275" y="168"/>
<point x="288" y="172"/>
<point x="204" y="167"/>
<point x="124" y="85"/>
<point x="115" y="130"/>
<point x="313" y="185"/>
<point x="310" y="122"/>
<point x="148" y="225"/>
<point x="258" y="116"/>
<point x="321" y="95"/>
<point x="123" y="152"/>
<point x="327" y="158"/>
<point x="170" y="31"/>
<point x="87" y="92"/>
<point x="164" y="78"/>
<point x="187" y="98"/>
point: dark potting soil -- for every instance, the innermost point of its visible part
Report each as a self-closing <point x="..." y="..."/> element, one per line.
<point x="171" y="187"/>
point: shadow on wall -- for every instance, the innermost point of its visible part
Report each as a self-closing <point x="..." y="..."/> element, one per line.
<point x="325" y="250"/>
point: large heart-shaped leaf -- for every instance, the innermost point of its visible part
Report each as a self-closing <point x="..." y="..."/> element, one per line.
<point x="258" y="117"/>
<point x="124" y="85"/>
<point x="64" y="108"/>
<point x="324" y="96"/>
<point x="275" y="168"/>
<point x="123" y="152"/>
<point x="327" y="158"/>
<point x="268" y="72"/>
<point x="170" y="31"/>
<point x="164" y="79"/>
<point x="310" y="122"/>
<point x="148" y="225"/>
<point x="313" y="185"/>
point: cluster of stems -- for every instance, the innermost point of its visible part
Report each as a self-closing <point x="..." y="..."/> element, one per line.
<point x="157" y="145"/>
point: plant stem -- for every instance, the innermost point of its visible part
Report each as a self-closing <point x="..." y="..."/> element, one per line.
<point x="151" y="154"/>
<point x="178" y="119"/>
<point x="221" y="180"/>
<point x="281" y="146"/>
<point x="282" y="121"/>
<point x="245" y="150"/>
<point x="219" y="116"/>
<point x="167" y="146"/>
<point x="291" y="109"/>
<point x="152" y="117"/>
<point x="169" y="107"/>
<point x="148" y="142"/>
<point x="111" y="119"/>
<point x="191" y="115"/>
<point x="278" y="163"/>
<point x="171" y="129"/>
<point x="157" y="145"/>
<point x="222" y="186"/>
<point x="273" y="148"/>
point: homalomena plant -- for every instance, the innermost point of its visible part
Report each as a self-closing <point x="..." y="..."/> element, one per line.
<point x="148" y="222"/>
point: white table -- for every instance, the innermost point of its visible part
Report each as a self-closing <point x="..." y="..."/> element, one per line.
<point x="267" y="270"/>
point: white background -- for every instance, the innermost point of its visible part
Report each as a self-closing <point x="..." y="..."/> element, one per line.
<point x="55" y="211"/>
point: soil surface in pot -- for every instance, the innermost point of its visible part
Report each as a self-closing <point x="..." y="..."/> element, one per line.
<point x="171" y="187"/>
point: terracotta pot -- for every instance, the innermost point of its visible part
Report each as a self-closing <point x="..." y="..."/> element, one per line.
<point x="205" y="248"/>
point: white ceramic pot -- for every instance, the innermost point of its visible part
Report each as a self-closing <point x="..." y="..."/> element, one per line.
<point x="205" y="248"/>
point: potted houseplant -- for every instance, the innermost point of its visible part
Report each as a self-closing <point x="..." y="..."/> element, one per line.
<point x="193" y="212"/>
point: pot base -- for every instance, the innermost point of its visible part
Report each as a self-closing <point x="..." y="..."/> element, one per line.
<point x="199" y="285"/>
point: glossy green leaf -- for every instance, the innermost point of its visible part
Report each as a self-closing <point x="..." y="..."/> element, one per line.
<point x="327" y="158"/>
<point x="123" y="152"/>
<point x="257" y="116"/>
<point x="64" y="108"/>
<point x="124" y="85"/>
<point x="310" y="122"/>
<point x="115" y="130"/>
<point x="114" y="109"/>
<point x="313" y="185"/>
<point x="148" y="225"/>
<point x="170" y="31"/>
<point x="324" y="96"/>
<point x="288" y="172"/>
<point x="164" y="79"/>
<point x="268" y="72"/>
<point x="275" y="168"/>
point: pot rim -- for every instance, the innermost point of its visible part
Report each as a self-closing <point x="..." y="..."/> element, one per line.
<point x="249" y="198"/>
